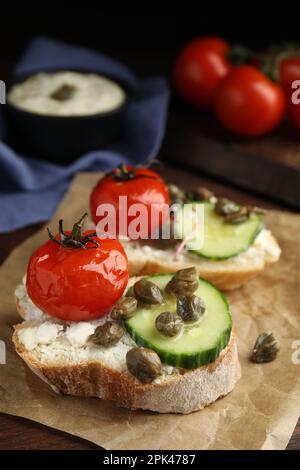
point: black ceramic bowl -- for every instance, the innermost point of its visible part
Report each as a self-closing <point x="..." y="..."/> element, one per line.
<point x="61" y="139"/>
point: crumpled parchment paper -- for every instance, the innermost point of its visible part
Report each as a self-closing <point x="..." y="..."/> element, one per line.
<point x="260" y="413"/>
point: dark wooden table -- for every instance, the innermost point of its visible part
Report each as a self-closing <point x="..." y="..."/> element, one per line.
<point x="17" y="433"/>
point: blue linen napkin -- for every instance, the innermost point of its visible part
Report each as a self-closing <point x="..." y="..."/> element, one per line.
<point x="31" y="189"/>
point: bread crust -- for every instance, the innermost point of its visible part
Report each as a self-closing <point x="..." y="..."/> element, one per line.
<point x="183" y="392"/>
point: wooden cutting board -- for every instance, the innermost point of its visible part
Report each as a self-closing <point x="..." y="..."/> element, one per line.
<point x="269" y="166"/>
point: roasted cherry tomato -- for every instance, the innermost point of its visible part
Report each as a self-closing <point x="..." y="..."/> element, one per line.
<point x="77" y="276"/>
<point x="249" y="103"/>
<point x="140" y="186"/>
<point x="200" y="67"/>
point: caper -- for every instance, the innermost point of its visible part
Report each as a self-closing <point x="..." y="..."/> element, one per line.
<point x="144" y="364"/>
<point x="237" y="217"/>
<point x="107" y="334"/>
<point x="187" y="274"/>
<point x="184" y="282"/>
<point x="168" y="324"/>
<point x="265" y="349"/>
<point x="147" y="292"/>
<point x="176" y="194"/>
<point x="124" y="308"/>
<point x="190" y="307"/>
<point x="202" y="194"/>
<point x="225" y="206"/>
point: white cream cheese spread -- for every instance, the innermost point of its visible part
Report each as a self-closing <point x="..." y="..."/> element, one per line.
<point x="54" y="340"/>
<point x="262" y="248"/>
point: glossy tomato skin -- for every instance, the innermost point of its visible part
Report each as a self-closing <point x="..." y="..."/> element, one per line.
<point x="200" y="67"/>
<point x="77" y="284"/>
<point x="147" y="187"/>
<point x="248" y="103"/>
<point x="289" y="71"/>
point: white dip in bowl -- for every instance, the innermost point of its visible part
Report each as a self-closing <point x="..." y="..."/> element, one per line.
<point x="67" y="93"/>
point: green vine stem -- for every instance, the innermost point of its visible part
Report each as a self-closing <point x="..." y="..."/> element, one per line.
<point x="121" y="173"/>
<point x="75" y="239"/>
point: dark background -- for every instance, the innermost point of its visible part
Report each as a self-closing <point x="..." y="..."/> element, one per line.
<point x="146" y="42"/>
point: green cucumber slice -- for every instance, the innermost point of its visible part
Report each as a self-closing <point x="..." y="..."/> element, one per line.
<point x="221" y="241"/>
<point x="200" y="343"/>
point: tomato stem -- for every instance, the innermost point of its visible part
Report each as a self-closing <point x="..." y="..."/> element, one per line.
<point x="121" y="173"/>
<point x="239" y="55"/>
<point x="75" y="239"/>
<point x="270" y="59"/>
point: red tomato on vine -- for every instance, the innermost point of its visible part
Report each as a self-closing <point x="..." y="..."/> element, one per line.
<point x="248" y="103"/>
<point x="200" y="67"/>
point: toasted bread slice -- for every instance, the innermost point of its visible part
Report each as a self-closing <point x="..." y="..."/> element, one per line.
<point x="225" y="274"/>
<point x="175" y="392"/>
<point x="60" y="354"/>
